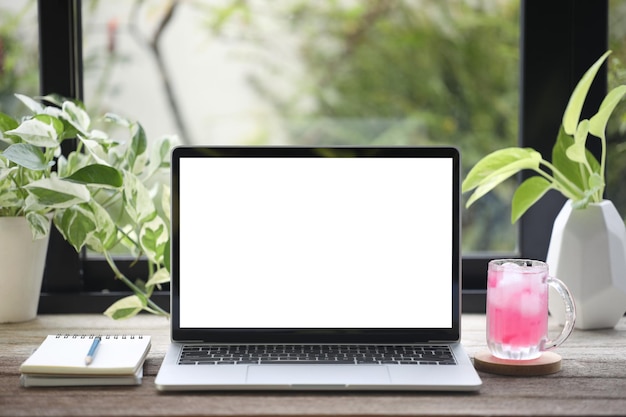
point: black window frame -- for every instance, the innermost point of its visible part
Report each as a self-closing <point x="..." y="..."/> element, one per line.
<point x="560" y="39"/>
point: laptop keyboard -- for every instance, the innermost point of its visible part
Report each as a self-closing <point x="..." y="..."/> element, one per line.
<point x="316" y="354"/>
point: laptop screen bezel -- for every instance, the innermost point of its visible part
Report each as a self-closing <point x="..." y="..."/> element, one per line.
<point x="317" y="335"/>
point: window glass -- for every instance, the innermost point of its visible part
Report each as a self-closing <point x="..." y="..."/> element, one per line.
<point x="616" y="129"/>
<point x="19" y="70"/>
<point x="380" y="72"/>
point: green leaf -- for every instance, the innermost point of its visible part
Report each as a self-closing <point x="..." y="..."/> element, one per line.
<point x="153" y="239"/>
<point x="39" y="224"/>
<point x="11" y="199"/>
<point x="95" y="150"/>
<point x="114" y="118"/>
<point x="527" y="194"/>
<point x="162" y="276"/>
<point x="41" y="131"/>
<point x="577" y="99"/>
<point x="73" y="162"/>
<point x="139" y="204"/>
<point x="164" y="147"/>
<point x="57" y="193"/>
<point x="166" y="202"/>
<point x="508" y="159"/>
<point x="87" y="224"/>
<point x="55" y="99"/>
<point x="596" y="182"/>
<point x="166" y="256"/>
<point x="5" y="172"/>
<point x="496" y="168"/>
<point x="7" y="123"/>
<point x="103" y="236"/>
<point x="52" y="120"/>
<point x="27" y="156"/>
<point x="570" y="169"/>
<point x="97" y="175"/>
<point x="578" y="151"/>
<point x="76" y="116"/>
<point x="4" y="145"/>
<point x="75" y="224"/>
<point x="597" y="124"/>
<point x="125" y="308"/>
<point x="137" y="149"/>
<point x="33" y="105"/>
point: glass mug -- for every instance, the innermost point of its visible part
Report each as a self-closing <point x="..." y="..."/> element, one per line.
<point x="517" y="309"/>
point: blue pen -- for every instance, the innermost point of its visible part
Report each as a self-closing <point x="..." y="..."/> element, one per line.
<point x="92" y="351"/>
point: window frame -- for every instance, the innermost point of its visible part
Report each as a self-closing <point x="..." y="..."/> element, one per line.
<point x="558" y="41"/>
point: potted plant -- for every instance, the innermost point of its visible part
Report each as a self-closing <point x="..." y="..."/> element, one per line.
<point x="588" y="242"/>
<point x="96" y="197"/>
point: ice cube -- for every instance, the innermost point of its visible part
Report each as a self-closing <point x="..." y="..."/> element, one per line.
<point x="512" y="277"/>
<point x="511" y="265"/>
<point x="531" y="305"/>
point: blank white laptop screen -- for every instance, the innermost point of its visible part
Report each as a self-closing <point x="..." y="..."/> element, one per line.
<point x="316" y="243"/>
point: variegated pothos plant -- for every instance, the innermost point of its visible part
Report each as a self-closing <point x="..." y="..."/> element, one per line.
<point x="105" y="195"/>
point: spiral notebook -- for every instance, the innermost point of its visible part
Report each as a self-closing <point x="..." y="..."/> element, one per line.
<point x="61" y="361"/>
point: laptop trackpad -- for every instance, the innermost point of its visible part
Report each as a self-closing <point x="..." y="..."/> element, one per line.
<point x="317" y="375"/>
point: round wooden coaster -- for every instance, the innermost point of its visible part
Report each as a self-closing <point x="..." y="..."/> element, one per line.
<point x="547" y="363"/>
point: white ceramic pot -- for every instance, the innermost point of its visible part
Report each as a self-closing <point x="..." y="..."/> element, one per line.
<point x="588" y="253"/>
<point x="21" y="270"/>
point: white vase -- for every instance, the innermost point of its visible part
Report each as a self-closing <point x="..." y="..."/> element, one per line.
<point x="21" y="270"/>
<point x="588" y="253"/>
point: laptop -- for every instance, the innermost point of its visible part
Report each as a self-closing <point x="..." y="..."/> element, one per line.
<point x="310" y="268"/>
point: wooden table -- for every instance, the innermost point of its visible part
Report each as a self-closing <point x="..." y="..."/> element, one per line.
<point x="592" y="382"/>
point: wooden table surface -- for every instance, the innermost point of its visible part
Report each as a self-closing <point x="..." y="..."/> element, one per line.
<point x="592" y="381"/>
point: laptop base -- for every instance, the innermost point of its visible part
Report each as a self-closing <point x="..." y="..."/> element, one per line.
<point x="175" y="377"/>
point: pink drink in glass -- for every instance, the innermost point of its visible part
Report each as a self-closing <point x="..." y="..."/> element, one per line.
<point x="517" y="310"/>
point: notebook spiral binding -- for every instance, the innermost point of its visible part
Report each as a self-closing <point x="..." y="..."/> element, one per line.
<point x="91" y="336"/>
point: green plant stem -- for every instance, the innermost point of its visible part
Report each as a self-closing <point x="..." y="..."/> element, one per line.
<point x="150" y="269"/>
<point x="581" y="169"/>
<point x="114" y="197"/>
<point x="17" y="180"/>
<point x="79" y="146"/>
<point x="151" y="305"/>
<point x="599" y="194"/>
<point x="127" y="236"/>
<point x="568" y="188"/>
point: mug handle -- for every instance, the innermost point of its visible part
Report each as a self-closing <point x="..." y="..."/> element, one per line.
<point x="570" y="312"/>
